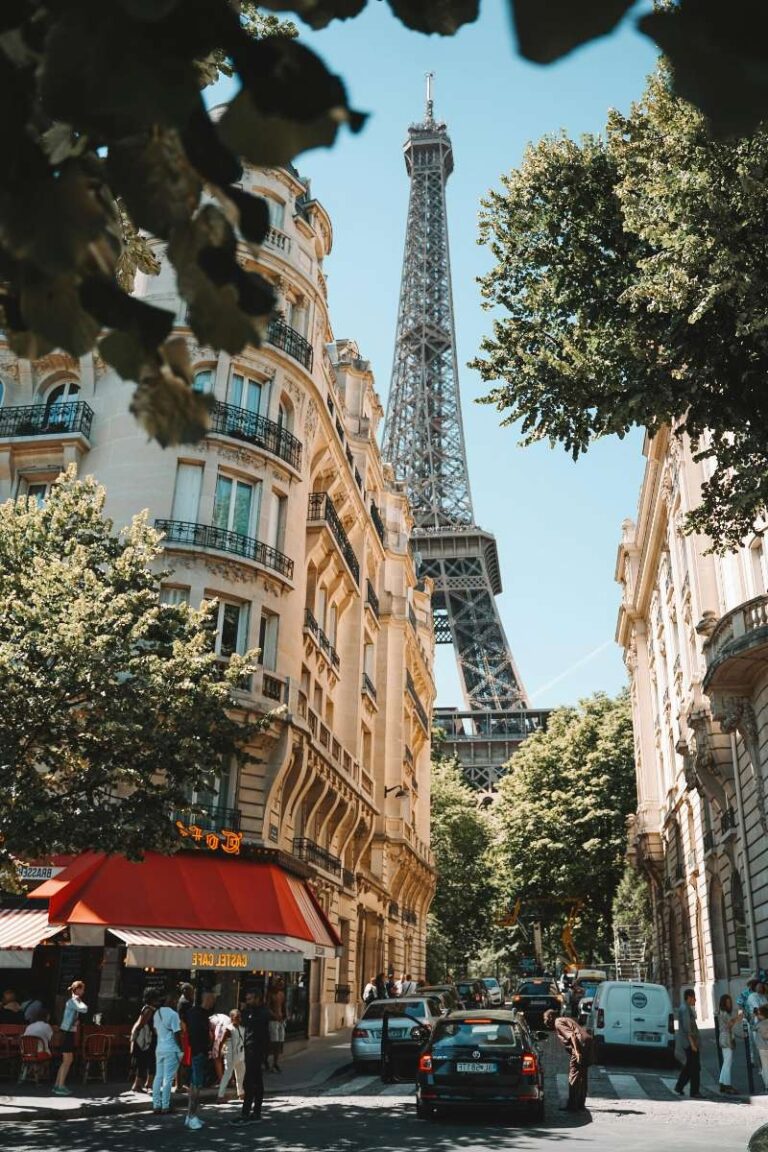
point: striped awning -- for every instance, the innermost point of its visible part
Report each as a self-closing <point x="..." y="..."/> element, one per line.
<point x="21" y="930"/>
<point x="215" y="951"/>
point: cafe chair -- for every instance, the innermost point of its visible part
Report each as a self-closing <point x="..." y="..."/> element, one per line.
<point x="35" y="1060"/>
<point x="9" y="1055"/>
<point x="96" y="1051"/>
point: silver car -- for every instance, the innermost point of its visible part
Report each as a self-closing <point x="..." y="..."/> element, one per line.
<point x="404" y="1015"/>
<point x="495" y="994"/>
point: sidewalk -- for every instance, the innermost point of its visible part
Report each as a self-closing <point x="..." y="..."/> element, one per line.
<point x="322" y="1058"/>
<point x="710" y="1070"/>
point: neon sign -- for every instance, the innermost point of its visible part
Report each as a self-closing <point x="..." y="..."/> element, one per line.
<point x="224" y="839"/>
<point x="219" y="959"/>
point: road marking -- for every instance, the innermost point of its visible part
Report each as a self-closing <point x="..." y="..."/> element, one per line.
<point x="403" y="1090"/>
<point x="562" y="1084"/>
<point x="627" y="1087"/>
<point x="668" y="1082"/>
<point x="350" y="1087"/>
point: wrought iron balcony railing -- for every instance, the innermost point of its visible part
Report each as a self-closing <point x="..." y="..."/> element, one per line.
<point x="371" y="598"/>
<point x="727" y="821"/>
<point x="209" y="817"/>
<point x="417" y="704"/>
<point x="320" y="638"/>
<point x="289" y="340"/>
<point x="378" y="523"/>
<point x="369" y="686"/>
<point x="229" y="420"/>
<point x="46" y="419"/>
<point x="206" y="536"/>
<point x="312" y="853"/>
<point x="321" y="508"/>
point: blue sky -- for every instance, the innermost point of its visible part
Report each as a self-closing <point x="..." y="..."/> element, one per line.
<point x="557" y="523"/>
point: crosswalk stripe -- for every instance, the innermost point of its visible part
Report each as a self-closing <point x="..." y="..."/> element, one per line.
<point x="562" y="1084"/>
<point x="669" y="1082"/>
<point x="404" y="1090"/>
<point x="350" y="1087"/>
<point x="627" y="1087"/>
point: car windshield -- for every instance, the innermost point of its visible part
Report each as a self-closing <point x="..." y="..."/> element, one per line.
<point x="460" y="1032"/>
<point x="532" y="989"/>
<point x="490" y="982"/>
<point x="589" y="987"/>
<point x="465" y="987"/>
<point x="376" y="1010"/>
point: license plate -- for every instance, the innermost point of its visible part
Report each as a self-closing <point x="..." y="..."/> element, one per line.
<point x="647" y="1036"/>
<point x="397" y="1033"/>
<point x="538" y="1003"/>
<point x="474" y="1067"/>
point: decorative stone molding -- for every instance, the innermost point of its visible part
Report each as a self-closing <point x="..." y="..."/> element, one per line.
<point x="310" y="422"/>
<point x="736" y="714"/>
<point x="56" y="362"/>
<point x="10" y="366"/>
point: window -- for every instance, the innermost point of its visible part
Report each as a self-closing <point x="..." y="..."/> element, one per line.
<point x="174" y="596"/>
<point x="186" y="493"/>
<point x="244" y="392"/>
<point x="369" y="661"/>
<point x="37" y="490"/>
<point x="740" y="939"/>
<point x="321" y="606"/>
<point x="231" y="628"/>
<point x="276" y="212"/>
<point x="277" y="513"/>
<point x="203" y="381"/>
<point x="284" y="415"/>
<point x="268" y="630"/>
<point x="333" y="624"/>
<point x="235" y="505"/>
<point x="58" y="402"/>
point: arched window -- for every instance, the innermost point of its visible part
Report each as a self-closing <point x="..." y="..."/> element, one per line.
<point x="740" y="939"/>
<point x="203" y="380"/>
<point x="59" y="403"/>
<point x="717" y="930"/>
<point x="285" y="414"/>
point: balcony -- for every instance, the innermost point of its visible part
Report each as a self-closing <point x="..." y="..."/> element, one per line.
<point x="368" y="686"/>
<point x="278" y="240"/>
<point x="209" y="817"/>
<point x="312" y="853"/>
<point x="727" y="821"/>
<point x="417" y="704"/>
<point x="709" y="841"/>
<point x="311" y="625"/>
<point x="221" y="540"/>
<point x="272" y="687"/>
<point x="282" y="336"/>
<point x="372" y="599"/>
<point x="321" y="509"/>
<point x="737" y="649"/>
<point x="378" y="523"/>
<point x="228" y="420"/>
<point x="46" y="420"/>
<point x="348" y="878"/>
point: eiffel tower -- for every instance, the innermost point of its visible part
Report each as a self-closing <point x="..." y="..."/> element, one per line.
<point x="424" y="442"/>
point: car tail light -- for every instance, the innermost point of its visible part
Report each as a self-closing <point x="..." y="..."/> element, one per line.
<point x="530" y="1064"/>
<point x="517" y="999"/>
<point x="360" y="1033"/>
<point x="600" y="1018"/>
<point x="478" y="1020"/>
<point x="425" y="1063"/>
<point x="671" y="1024"/>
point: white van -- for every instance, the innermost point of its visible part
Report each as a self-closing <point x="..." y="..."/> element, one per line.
<point x="628" y="1013"/>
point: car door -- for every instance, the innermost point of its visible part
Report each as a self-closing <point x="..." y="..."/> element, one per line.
<point x="616" y="1006"/>
<point x="648" y="1015"/>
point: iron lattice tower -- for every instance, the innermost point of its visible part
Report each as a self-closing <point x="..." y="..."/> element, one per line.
<point x="424" y="439"/>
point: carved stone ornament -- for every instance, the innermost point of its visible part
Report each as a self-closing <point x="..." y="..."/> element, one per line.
<point x="9" y="365"/>
<point x="310" y="422"/>
<point x="295" y="393"/>
<point x="55" y="362"/>
<point x="100" y="365"/>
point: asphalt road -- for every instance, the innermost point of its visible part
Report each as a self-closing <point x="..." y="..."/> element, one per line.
<point x="629" y="1109"/>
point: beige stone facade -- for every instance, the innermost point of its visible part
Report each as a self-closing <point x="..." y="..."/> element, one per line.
<point x="694" y="629"/>
<point x="285" y="516"/>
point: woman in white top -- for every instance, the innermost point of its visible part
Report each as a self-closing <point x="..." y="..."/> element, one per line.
<point x="233" y="1047"/>
<point x="726" y="1022"/>
<point x="73" y="1009"/>
<point x="167" y="1026"/>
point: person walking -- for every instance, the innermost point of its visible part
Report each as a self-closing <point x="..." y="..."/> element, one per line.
<point x="276" y="1006"/>
<point x="233" y="1047"/>
<point x="167" y="1028"/>
<point x="407" y="985"/>
<point x="578" y="1044"/>
<point x="761" y="1041"/>
<point x="370" y="992"/>
<point x="727" y="1020"/>
<point x="185" y="1002"/>
<point x="687" y="1046"/>
<point x="73" y="1010"/>
<point x="255" y="1021"/>
<point x="198" y="1030"/>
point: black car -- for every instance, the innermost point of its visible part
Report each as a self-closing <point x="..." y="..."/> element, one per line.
<point x="400" y="1052"/>
<point x="448" y="993"/>
<point x="481" y="1058"/>
<point x="535" y="997"/>
<point x="472" y="993"/>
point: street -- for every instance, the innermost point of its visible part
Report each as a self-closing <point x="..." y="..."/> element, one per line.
<point x="629" y="1108"/>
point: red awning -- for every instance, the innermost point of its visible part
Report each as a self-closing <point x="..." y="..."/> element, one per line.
<point x="188" y="891"/>
<point x="21" y="930"/>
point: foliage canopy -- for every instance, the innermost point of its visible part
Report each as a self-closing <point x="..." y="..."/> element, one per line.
<point x="632" y="271"/>
<point x="115" y="707"/>
<point x="105" y="135"/>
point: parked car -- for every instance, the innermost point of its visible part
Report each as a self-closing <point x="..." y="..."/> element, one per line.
<point x="472" y="993"/>
<point x="495" y="994"/>
<point x="448" y="993"/>
<point x="535" y="997"/>
<point x="404" y="1014"/>
<point x="584" y="1003"/>
<point x="583" y="990"/>
<point x="632" y="1014"/>
<point x="488" y="1058"/>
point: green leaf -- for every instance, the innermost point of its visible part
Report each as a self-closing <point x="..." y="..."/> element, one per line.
<point x="442" y="16"/>
<point x="317" y="13"/>
<point x="549" y="29"/>
<point x="273" y="141"/>
<point x="50" y="305"/>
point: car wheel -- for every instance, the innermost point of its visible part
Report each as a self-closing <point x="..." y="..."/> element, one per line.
<point x="424" y="1111"/>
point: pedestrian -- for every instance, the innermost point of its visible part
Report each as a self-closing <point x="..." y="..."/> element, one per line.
<point x="578" y="1044"/>
<point x="276" y="1006"/>
<point x="185" y="1001"/>
<point x="198" y="1029"/>
<point x="142" y="1046"/>
<point x="727" y="1020"/>
<point x="33" y="1009"/>
<point x="761" y="1041"/>
<point x="370" y="992"/>
<point x="755" y="999"/>
<point x="393" y="986"/>
<point x="255" y="1020"/>
<point x="687" y="1046"/>
<point x="220" y="1024"/>
<point x="381" y="987"/>
<point x="407" y="985"/>
<point x="73" y="1009"/>
<point x="41" y="1029"/>
<point x="167" y="1028"/>
<point x="10" y="1009"/>
<point x="233" y="1047"/>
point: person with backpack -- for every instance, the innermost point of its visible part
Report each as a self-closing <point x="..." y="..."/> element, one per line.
<point x="142" y="1047"/>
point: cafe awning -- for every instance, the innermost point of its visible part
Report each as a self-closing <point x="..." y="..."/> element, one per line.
<point x="190" y="892"/>
<point x="219" y="951"/>
<point x="21" y="930"/>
